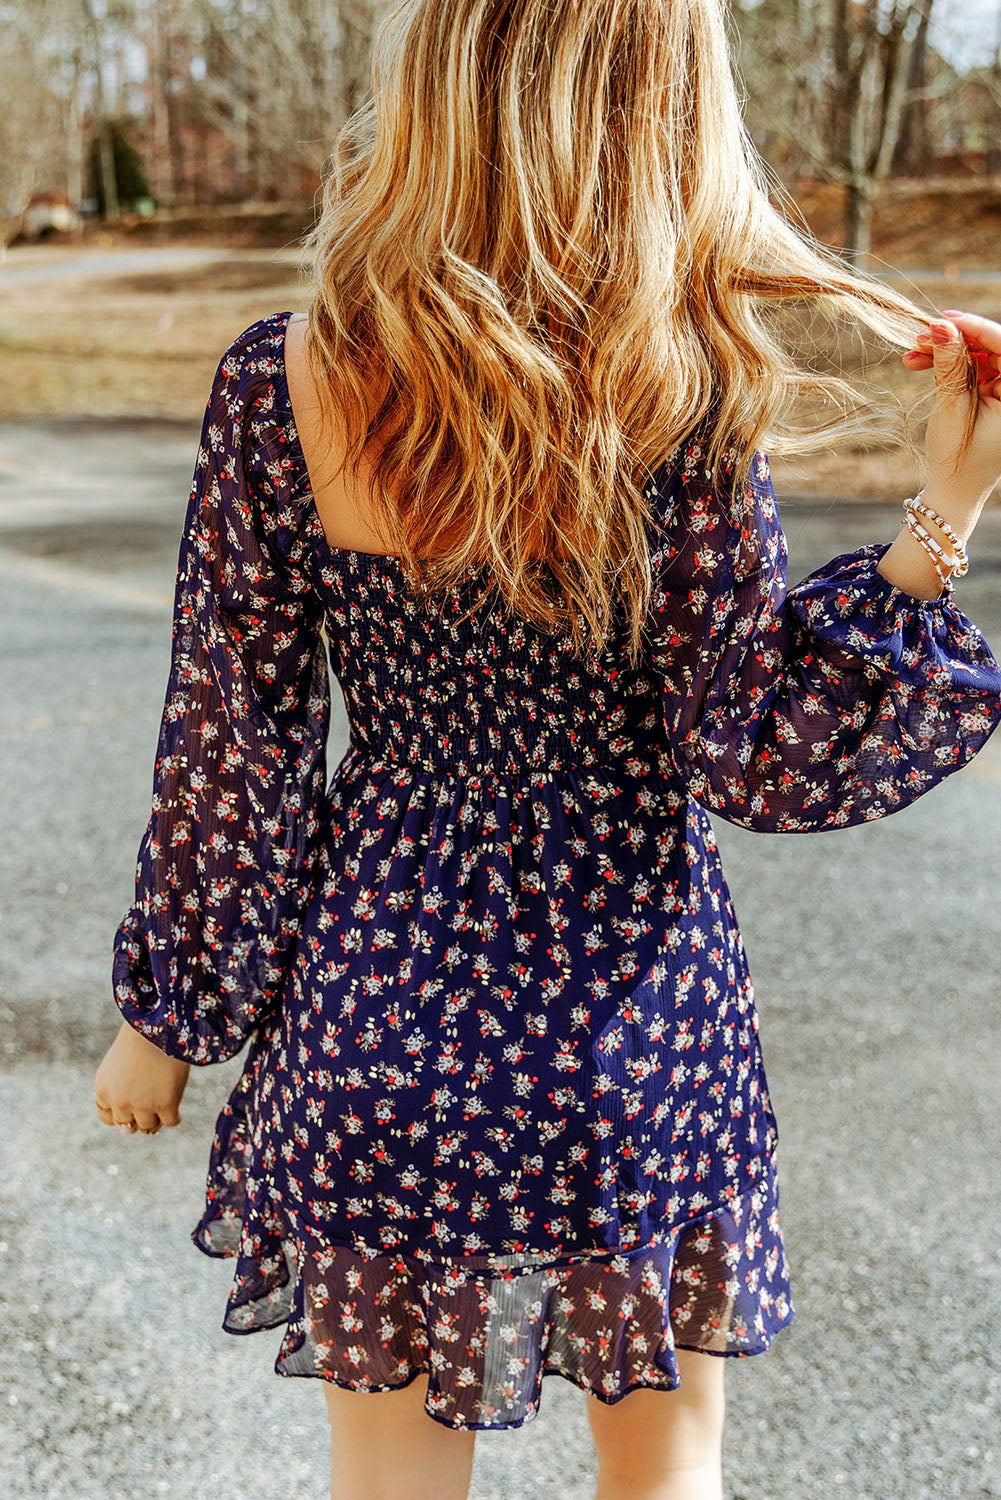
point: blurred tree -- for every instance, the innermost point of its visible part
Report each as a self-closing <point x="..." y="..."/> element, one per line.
<point x="912" y="153"/>
<point x="838" y="88"/>
<point x="872" y="45"/>
<point x="127" y="175"/>
<point x="236" y="100"/>
<point x="165" y="29"/>
<point x="30" y="118"/>
<point x="108" y="192"/>
<point x="983" y="88"/>
<point x="280" y="78"/>
<point x="782" y="54"/>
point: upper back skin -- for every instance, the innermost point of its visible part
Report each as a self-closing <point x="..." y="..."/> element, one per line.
<point x="342" y="502"/>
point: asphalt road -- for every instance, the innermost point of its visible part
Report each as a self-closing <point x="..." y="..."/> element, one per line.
<point x="24" y="264"/>
<point x="875" y="952"/>
<point x="28" y="265"/>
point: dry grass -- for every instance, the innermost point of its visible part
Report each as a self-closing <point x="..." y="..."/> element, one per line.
<point x="876" y="469"/>
<point x="939" y="222"/>
<point x="132" y="345"/>
<point x="147" y="344"/>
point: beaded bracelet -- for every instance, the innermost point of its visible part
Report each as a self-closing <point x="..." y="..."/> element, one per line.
<point x="932" y="547"/>
<point x="959" y="547"/>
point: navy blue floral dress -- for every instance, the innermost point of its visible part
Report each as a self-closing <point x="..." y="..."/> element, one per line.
<point x="503" y="1111"/>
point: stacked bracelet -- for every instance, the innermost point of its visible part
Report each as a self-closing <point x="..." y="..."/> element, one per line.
<point x="959" y="564"/>
<point x="932" y="548"/>
<point x="958" y="545"/>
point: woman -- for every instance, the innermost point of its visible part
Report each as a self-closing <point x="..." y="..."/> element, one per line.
<point x="503" y="1111"/>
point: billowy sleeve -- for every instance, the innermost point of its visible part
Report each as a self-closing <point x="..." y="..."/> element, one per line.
<point x="229" y="856"/>
<point x="795" y="710"/>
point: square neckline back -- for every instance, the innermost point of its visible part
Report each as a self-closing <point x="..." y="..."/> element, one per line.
<point x="334" y="551"/>
<point x="392" y="560"/>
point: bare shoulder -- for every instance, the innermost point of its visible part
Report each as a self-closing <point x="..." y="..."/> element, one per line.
<point x="302" y="389"/>
<point x="321" y="427"/>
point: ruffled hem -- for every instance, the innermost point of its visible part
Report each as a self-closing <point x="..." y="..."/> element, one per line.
<point x="487" y="1330"/>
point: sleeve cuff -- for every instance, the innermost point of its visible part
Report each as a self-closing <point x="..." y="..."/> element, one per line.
<point x="849" y="604"/>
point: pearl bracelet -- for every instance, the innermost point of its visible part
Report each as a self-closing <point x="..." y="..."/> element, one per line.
<point x="959" y="547"/>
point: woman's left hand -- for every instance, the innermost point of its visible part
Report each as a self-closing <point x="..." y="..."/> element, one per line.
<point x="988" y="362"/>
<point x="138" y="1087"/>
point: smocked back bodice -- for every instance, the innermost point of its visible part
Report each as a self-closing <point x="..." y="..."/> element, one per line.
<point x="426" y="687"/>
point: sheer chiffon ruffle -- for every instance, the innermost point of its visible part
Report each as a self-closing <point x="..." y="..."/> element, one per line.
<point x="487" y="1328"/>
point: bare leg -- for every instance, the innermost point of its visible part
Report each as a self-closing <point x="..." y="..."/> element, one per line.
<point x="664" y="1445"/>
<point x="384" y="1446"/>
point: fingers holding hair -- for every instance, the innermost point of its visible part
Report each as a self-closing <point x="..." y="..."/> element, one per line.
<point x="956" y="371"/>
<point x="981" y="331"/>
<point x="959" y="369"/>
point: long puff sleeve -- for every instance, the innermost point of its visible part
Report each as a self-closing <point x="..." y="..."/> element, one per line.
<point x="829" y="704"/>
<point x="229" y="855"/>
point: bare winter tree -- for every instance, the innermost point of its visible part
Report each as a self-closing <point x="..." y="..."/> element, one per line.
<point x="106" y="158"/>
<point x="165" y="30"/>
<point x="912" y="153"/>
<point x="840" y="89"/>
<point x="230" y="100"/>
<point x="982" y="91"/>
<point x="31" y="75"/>
<point x="781" y="47"/>
<point x="872" y="45"/>
<point x="281" y="78"/>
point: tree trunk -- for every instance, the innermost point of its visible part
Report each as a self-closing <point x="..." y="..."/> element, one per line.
<point x="858" y="219"/>
<point x="105" y="145"/>
<point x="872" y="63"/>
<point x="106" y="167"/>
<point x="993" y="153"/>
<point x="76" y="149"/>
<point x="912" y="155"/>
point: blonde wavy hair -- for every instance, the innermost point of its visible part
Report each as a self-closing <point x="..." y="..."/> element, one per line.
<point x="546" y="243"/>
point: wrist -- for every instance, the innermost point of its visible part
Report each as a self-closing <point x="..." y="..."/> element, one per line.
<point x="142" y="1045"/>
<point x="906" y="564"/>
<point x="956" y="503"/>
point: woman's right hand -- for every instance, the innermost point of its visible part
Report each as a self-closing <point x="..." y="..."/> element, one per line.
<point x="962" y="485"/>
<point x="137" y="1086"/>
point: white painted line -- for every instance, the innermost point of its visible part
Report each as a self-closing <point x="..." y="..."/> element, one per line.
<point x="79" y="581"/>
<point x="987" y="764"/>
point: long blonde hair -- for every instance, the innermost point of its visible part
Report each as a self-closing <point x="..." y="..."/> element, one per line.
<point x="547" y="238"/>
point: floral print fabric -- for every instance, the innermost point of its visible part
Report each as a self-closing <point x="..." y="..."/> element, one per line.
<point x="503" y="1110"/>
<point x="488" y="1328"/>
